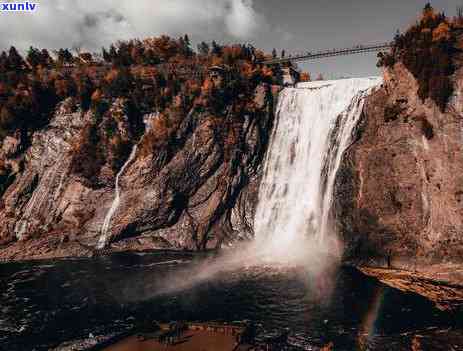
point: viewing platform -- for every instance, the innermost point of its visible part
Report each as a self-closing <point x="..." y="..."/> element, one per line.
<point x="180" y="336"/>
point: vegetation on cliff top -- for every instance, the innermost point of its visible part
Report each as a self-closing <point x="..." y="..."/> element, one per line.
<point x="427" y="49"/>
<point x="161" y="75"/>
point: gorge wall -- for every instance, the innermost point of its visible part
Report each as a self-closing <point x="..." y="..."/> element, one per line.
<point x="188" y="159"/>
<point x="398" y="193"/>
<point x="196" y="191"/>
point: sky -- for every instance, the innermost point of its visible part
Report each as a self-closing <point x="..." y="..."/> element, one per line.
<point x="293" y="25"/>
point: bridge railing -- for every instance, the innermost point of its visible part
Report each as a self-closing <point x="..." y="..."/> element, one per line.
<point x="329" y="53"/>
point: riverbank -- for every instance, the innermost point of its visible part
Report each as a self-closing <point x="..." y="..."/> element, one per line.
<point x="56" y="248"/>
<point x="442" y="284"/>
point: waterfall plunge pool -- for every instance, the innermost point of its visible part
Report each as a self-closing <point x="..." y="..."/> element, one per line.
<point x="46" y="303"/>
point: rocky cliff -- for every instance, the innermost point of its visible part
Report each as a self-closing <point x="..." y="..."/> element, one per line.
<point x="193" y="188"/>
<point x="399" y="189"/>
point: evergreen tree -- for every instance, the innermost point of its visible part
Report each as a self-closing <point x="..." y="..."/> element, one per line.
<point x="428" y="8"/>
<point x="106" y="55"/>
<point x="46" y="59"/>
<point x="4" y="62"/>
<point x="187" y="40"/>
<point x="216" y="49"/>
<point x="15" y="61"/>
<point x="203" y="48"/>
<point x="65" y="56"/>
<point x="33" y="57"/>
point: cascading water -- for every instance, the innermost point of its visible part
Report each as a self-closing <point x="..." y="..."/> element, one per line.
<point x="314" y="125"/>
<point x="147" y="120"/>
<point x="115" y="204"/>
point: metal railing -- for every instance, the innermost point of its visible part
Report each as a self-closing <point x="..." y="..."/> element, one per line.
<point x="329" y="53"/>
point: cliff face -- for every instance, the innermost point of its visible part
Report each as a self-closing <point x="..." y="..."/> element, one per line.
<point x="399" y="190"/>
<point x="196" y="191"/>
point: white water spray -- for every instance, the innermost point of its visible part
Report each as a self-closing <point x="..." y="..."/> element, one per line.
<point x="117" y="199"/>
<point x="314" y="125"/>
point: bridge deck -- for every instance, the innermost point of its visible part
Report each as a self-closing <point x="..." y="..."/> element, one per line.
<point x="330" y="53"/>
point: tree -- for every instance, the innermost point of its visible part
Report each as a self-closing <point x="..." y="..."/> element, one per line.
<point x="119" y="82"/>
<point x="203" y="48"/>
<point x="85" y="90"/>
<point x="137" y="54"/>
<point x="441" y="33"/>
<point x="33" y="57"/>
<point x="65" y="87"/>
<point x="305" y="77"/>
<point x="113" y="53"/>
<point x="86" y="57"/>
<point x="6" y="118"/>
<point x="186" y="39"/>
<point x="428" y="8"/>
<point x="150" y="57"/>
<point x="4" y="62"/>
<point x="274" y="53"/>
<point x="428" y="13"/>
<point x="46" y="59"/>
<point x="64" y="56"/>
<point x="216" y="48"/>
<point x="36" y="57"/>
<point x="106" y="55"/>
<point x="15" y="61"/>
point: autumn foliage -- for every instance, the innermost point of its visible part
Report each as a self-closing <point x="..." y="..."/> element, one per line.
<point x="158" y="75"/>
<point x="427" y="49"/>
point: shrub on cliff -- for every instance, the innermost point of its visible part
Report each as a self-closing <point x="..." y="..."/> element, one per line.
<point x="156" y="75"/>
<point x="25" y="105"/>
<point x="87" y="155"/>
<point x="427" y="50"/>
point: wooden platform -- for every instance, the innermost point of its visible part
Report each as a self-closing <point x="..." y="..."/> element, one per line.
<point x="192" y="340"/>
<point x="198" y="337"/>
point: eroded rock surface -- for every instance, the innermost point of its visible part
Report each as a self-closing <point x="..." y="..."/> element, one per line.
<point x="398" y="200"/>
<point x="195" y="192"/>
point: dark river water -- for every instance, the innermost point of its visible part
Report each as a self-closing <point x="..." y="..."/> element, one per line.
<point x="46" y="303"/>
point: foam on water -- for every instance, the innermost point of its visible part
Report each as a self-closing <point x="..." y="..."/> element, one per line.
<point x="314" y="126"/>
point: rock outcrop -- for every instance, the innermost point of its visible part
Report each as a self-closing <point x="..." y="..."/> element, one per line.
<point x="197" y="191"/>
<point x="399" y="189"/>
<point x="398" y="199"/>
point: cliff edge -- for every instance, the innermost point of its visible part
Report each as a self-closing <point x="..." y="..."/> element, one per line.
<point x="399" y="191"/>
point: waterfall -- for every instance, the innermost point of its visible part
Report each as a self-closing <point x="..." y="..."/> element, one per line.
<point x="314" y="125"/>
<point x="115" y="204"/>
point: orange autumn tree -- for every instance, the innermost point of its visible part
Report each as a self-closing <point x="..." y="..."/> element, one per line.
<point x="305" y="77"/>
<point x="427" y="49"/>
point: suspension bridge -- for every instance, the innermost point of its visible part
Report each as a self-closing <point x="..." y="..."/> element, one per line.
<point x="309" y="56"/>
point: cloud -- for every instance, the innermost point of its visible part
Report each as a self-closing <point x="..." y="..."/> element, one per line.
<point x="93" y="24"/>
<point x="242" y="19"/>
